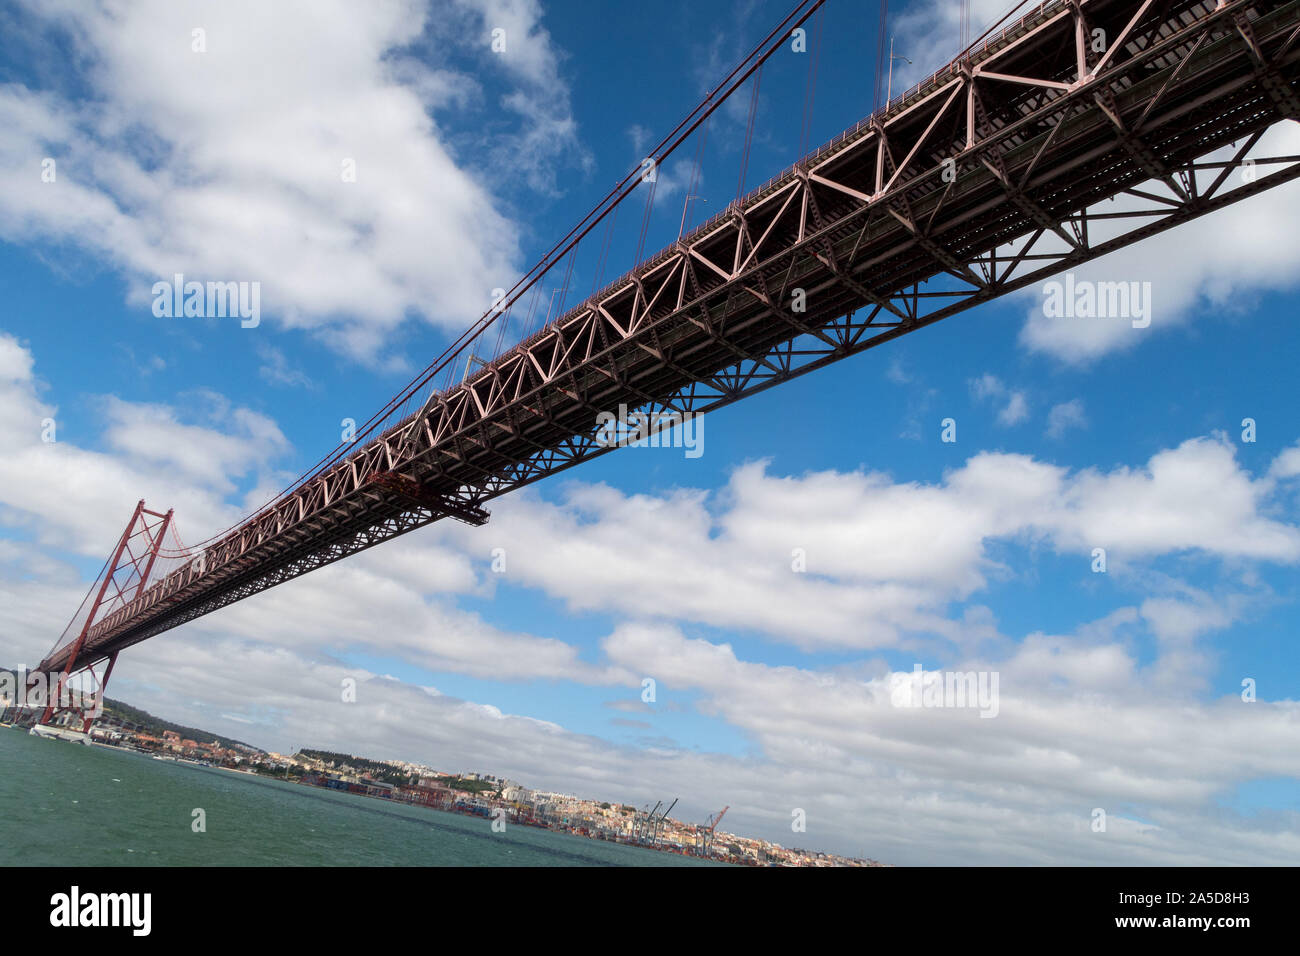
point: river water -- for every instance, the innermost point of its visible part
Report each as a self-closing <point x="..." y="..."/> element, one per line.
<point x="68" y="804"/>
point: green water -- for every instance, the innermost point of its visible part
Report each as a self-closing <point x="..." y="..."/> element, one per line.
<point x="67" y="804"/>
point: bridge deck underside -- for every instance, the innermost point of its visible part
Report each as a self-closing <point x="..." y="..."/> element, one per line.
<point x="880" y="241"/>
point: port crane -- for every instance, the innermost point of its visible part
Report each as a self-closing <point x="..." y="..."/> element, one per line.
<point x="659" y="822"/>
<point x="641" y="821"/>
<point x="650" y="821"/>
<point x="705" y="830"/>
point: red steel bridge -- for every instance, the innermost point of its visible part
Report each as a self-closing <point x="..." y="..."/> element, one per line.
<point x="991" y="175"/>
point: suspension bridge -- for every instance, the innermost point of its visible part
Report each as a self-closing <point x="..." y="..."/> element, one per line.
<point x="992" y="174"/>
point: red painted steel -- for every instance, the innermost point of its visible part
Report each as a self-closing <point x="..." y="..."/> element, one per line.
<point x="1041" y="130"/>
<point x="138" y="569"/>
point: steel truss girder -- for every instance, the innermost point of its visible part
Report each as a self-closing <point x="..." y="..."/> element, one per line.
<point x="705" y="322"/>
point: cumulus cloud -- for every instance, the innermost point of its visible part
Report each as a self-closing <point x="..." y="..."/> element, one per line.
<point x="1287" y="464"/>
<point x="1077" y="728"/>
<point x="1083" y="720"/>
<point x="76" y="498"/>
<point x="1212" y="265"/>
<point x="1217" y="263"/>
<point x="883" y="559"/>
<point x="72" y="498"/>
<point x="929" y="34"/>
<point x="241" y="149"/>
<point x="1066" y="416"/>
<point x="1015" y="406"/>
<point x="233" y="163"/>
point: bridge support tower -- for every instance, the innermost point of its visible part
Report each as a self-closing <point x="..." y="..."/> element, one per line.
<point x="123" y="580"/>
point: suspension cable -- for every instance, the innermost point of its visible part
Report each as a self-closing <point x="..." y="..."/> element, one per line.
<point x="751" y="63"/>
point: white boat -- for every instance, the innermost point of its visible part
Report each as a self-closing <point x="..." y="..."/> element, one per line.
<point x="60" y="733"/>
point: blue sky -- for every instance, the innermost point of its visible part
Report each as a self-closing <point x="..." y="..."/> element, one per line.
<point x="1119" y="690"/>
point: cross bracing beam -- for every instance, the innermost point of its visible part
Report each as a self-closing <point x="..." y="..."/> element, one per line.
<point x="945" y="200"/>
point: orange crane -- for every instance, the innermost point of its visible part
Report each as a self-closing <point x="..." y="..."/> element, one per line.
<point x="708" y="827"/>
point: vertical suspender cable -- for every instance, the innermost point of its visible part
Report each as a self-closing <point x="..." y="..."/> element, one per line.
<point x="697" y="174"/>
<point x="751" y="64"/>
<point x="604" y="251"/>
<point x="568" y="275"/>
<point x="880" y="52"/>
<point x="749" y="134"/>
<point x="532" y="311"/>
<point x="645" y="220"/>
<point x="699" y="157"/>
<point x="810" y="91"/>
<point x="505" y="323"/>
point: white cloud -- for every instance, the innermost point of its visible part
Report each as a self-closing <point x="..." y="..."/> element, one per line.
<point x="1077" y="728"/>
<point x="154" y="436"/>
<point x="883" y="559"/>
<point x="227" y="164"/>
<point x="1082" y="722"/>
<point x="1203" y="268"/>
<point x="1065" y="416"/>
<point x="277" y="370"/>
<point x="548" y="133"/>
<point x="394" y="602"/>
<point x="76" y="498"/>
<point x="1287" y="464"/>
<point x="929" y="34"/>
<point x="1014" y="410"/>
